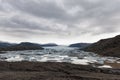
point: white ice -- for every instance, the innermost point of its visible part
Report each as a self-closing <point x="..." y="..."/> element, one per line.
<point x="57" y="54"/>
<point x="105" y="66"/>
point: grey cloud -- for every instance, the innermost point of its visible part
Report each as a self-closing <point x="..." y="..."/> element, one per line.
<point x="41" y="8"/>
<point x="60" y="17"/>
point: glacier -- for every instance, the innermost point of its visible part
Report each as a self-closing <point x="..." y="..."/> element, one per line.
<point x="59" y="54"/>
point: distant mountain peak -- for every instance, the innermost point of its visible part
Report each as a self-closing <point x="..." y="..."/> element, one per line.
<point x="49" y="45"/>
<point x="79" y="45"/>
<point x="22" y="46"/>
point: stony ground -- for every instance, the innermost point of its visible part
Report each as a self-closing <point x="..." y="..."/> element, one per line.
<point x="54" y="71"/>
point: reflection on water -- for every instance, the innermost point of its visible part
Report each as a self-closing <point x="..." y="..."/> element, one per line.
<point x="60" y="54"/>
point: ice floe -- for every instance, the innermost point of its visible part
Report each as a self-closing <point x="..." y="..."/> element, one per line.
<point x="58" y="54"/>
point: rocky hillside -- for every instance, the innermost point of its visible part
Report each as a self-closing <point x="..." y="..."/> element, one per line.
<point x="106" y="47"/>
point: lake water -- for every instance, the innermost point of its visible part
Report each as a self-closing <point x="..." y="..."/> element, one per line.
<point x="60" y="54"/>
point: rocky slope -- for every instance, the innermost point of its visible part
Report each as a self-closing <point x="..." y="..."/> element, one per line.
<point x="106" y="47"/>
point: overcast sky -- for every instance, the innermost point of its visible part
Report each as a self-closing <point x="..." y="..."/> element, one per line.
<point x="58" y="21"/>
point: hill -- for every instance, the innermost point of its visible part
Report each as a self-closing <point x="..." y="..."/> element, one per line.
<point x="49" y="45"/>
<point x="80" y="45"/>
<point x="106" y="47"/>
<point x="6" y="44"/>
<point x="22" y="46"/>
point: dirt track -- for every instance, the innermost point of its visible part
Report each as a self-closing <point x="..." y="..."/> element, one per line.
<point x="54" y="71"/>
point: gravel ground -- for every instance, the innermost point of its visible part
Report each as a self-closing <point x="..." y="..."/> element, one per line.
<point x="54" y="71"/>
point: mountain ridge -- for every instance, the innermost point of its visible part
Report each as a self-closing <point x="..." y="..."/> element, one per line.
<point x="80" y="45"/>
<point x="22" y="46"/>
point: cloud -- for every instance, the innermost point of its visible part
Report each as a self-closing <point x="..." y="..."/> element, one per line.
<point x="58" y="19"/>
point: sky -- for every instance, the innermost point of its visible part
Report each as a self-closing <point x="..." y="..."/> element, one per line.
<point x="59" y="21"/>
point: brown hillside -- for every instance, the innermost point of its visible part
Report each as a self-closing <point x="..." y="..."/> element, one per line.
<point x="106" y="47"/>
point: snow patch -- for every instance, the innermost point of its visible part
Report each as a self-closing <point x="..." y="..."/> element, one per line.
<point x="105" y="66"/>
<point x="82" y="62"/>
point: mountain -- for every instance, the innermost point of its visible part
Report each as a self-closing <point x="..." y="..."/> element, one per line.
<point x="49" y="45"/>
<point x="22" y="46"/>
<point x="80" y="45"/>
<point x="106" y="47"/>
<point x="6" y="44"/>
